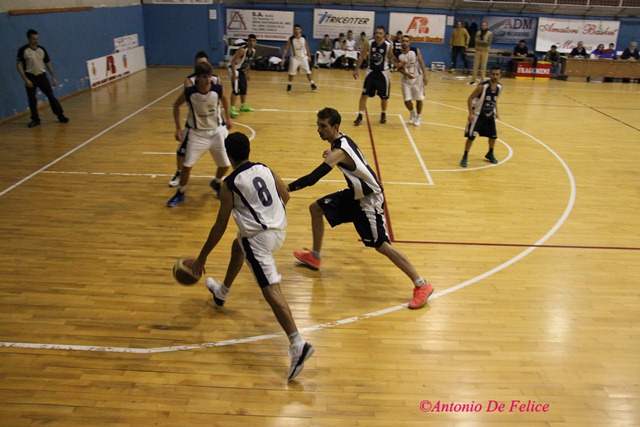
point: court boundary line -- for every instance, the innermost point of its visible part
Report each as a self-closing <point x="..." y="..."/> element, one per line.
<point x="508" y="263"/>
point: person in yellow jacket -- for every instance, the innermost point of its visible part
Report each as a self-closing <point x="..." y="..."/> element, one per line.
<point x="459" y="43"/>
<point x="483" y="44"/>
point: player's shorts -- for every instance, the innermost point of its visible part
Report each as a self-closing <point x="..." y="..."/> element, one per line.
<point x="182" y="145"/>
<point x="377" y="82"/>
<point x="201" y="141"/>
<point x="481" y="126"/>
<point x="301" y="63"/>
<point x="258" y="254"/>
<point x="366" y="214"/>
<point x="413" y="89"/>
<point x="239" y="87"/>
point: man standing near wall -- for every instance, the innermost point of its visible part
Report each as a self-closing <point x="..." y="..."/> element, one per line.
<point x="483" y="44"/>
<point x="33" y="63"/>
<point x="459" y="43"/>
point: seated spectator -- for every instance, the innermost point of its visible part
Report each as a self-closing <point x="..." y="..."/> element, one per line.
<point x="579" y="52"/>
<point x="553" y="56"/>
<point x="360" y="44"/>
<point x="631" y="52"/>
<point x="323" y="55"/>
<point x="598" y="52"/>
<point x="351" y="53"/>
<point x="338" y="50"/>
<point x="520" y="51"/>
<point x="611" y="52"/>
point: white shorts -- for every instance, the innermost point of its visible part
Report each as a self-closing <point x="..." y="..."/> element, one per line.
<point x="413" y="89"/>
<point x="258" y="254"/>
<point x="302" y="63"/>
<point x="201" y="141"/>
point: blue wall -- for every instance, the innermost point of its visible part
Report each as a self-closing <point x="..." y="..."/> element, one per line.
<point x="71" y="38"/>
<point x="171" y="35"/>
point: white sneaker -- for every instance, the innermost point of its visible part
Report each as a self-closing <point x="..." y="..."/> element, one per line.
<point x="298" y="356"/>
<point x="417" y="121"/>
<point x="175" y="181"/>
<point x="412" y="117"/>
<point x="214" y="288"/>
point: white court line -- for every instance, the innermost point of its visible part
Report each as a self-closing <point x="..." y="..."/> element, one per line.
<point x="415" y="150"/>
<point x="541" y="241"/>
<point x="70" y="152"/>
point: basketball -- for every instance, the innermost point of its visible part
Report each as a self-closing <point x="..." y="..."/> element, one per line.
<point x="183" y="273"/>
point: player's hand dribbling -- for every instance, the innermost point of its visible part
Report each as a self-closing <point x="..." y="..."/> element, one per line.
<point x="198" y="267"/>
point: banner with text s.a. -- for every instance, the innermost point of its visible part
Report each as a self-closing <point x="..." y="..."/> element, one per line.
<point x="421" y="28"/>
<point x="510" y="30"/>
<point x="334" y="22"/>
<point x="265" y="24"/>
<point x="115" y="66"/>
<point x="566" y="33"/>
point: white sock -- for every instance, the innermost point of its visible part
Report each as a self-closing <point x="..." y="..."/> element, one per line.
<point x="295" y="338"/>
<point x="361" y="113"/>
<point x="182" y="188"/>
<point x="420" y="282"/>
<point x="315" y="254"/>
<point x="224" y="291"/>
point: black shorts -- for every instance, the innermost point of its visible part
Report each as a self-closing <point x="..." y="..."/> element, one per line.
<point x="482" y="126"/>
<point x="377" y="82"/>
<point x="240" y="85"/>
<point x="366" y="214"/>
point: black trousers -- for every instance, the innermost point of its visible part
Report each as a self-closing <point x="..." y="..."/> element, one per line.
<point x="42" y="82"/>
<point x="459" y="50"/>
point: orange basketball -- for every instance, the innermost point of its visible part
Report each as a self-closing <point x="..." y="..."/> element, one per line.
<point x="183" y="273"/>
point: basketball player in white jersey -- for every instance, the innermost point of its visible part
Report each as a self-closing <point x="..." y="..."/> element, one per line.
<point x="182" y="135"/>
<point x="414" y="79"/>
<point x="205" y="130"/>
<point x="256" y="197"/>
<point x="239" y="68"/>
<point x="483" y="112"/>
<point x="378" y="79"/>
<point x="300" y="56"/>
<point x="362" y="204"/>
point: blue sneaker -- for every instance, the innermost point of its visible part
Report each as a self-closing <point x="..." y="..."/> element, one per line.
<point x="216" y="187"/>
<point x="176" y="199"/>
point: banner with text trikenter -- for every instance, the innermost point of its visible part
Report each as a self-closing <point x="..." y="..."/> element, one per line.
<point x="265" y="24"/>
<point x="334" y="22"/>
<point x="421" y="28"/>
<point x="566" y="33"/>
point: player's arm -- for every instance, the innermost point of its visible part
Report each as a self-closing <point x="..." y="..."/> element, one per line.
<point x="27" y="82"/>
<point x="363" y="54"/>
<point x="176" y="115"/>
<point x="54" y="81"/>
<point x="227" y="116"/>
<point x="474" y="95"/>
<point x="331" y="159"/>
<point x="392" y="57"/>
<point x="306" y="44"/>
<point x="217" y="230"/>
<point x="425" y="80"/>
<point x="234" y="63"/>
<point x="286" y="49"/>
<point x="282" y="189"/>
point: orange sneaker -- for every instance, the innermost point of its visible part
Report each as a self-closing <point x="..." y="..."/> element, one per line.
<point x="420" y="296"/>
<point x="307" y="258"/>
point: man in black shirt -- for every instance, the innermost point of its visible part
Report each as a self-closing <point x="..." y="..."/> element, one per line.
<point x="33" y="63"/>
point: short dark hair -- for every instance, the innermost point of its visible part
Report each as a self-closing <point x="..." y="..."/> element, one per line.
<point x="363" y="34"/>
<point x="31" y="32"/>
<point x="238" y="146"/>
<point x="201" y="54"/>
<point x="496" y="67"/>
<point x="330" y="114"/>
<point x="297" y="26"/>
<point x="522" y="41"/>
<point x="406" y="36"/>
<point x="252" y="37"/>
<point x="203" y="68"/>
<point x="381" y="27"/>
<point x="553" y="46"/>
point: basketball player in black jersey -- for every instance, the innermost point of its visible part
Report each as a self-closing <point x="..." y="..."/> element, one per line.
<point x="483" y="112"/>
<point x="378" y="79"/>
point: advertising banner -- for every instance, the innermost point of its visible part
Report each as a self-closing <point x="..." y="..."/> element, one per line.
<point x="115" y="66"/>
<point x="421" y="28"/>
<point x="566" y="33"/>
<point x="510" y="30"/>
<point x="265" y="24"/>
<point x="334" y="22"/>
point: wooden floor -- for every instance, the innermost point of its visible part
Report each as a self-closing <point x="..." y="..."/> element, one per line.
<point x="535" y="262"/>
